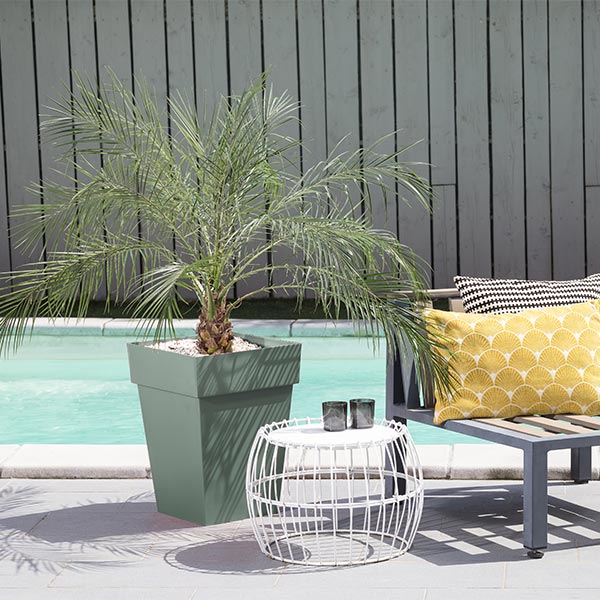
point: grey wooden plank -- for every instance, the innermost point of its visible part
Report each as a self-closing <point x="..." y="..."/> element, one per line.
<point x="112" y="25"/>
<point x="20" y="114"/>
<point x="113" y="51"/>
<point x="473" y="166"/>
<point x="537" y="139"/>
<point x="180" y="56"/>
<point x="210" y="44"/>
<point x="312" y="84"/>
<point x="83" y="60"/>
<point x="377" y="89"/>
<point x="410" y="20"/>
<point x="148" y="44"/>
<point x="4" y="241"/>
<point x="441" y="93"/>
<point x="506" y="106"/>
<point x="341" y="73"/>
<point x="592" y="227"/>
<point x="340" y="29"/>
<point x="445" y="255"/>
<point x="245" y="61"/>
<point x="280" y="56"/>
<point x="245" y="65"/>
<point x="210" y="55"/>
<point x="591" y="83"/>
<point x="83" y="43"/>
<point x="150" y="66"/>
<point x="180" y="48"/>
<point x="52" y="54"/>
<point x="566" y="134"/>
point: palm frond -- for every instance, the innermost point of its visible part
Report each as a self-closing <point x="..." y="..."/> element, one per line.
<point x="212" y="187"/>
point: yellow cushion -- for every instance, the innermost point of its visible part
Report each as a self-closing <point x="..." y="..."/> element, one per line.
<point x="539" y="361"/>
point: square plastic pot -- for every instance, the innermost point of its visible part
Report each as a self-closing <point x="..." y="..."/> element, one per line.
<point x="200" y="418"/>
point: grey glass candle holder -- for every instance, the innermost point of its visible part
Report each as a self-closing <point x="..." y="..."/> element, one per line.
<point x="335" y="416"/>
<point x="362" y="413"/>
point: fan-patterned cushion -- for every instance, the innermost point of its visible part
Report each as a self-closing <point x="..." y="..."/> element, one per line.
<point x="540" y="361"/>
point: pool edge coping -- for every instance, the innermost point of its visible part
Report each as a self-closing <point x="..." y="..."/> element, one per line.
<point x="130" y="461"/>
<point x="266" y="327"/>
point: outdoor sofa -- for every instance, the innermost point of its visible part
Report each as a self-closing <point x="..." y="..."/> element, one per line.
<point x="535" y="435"/>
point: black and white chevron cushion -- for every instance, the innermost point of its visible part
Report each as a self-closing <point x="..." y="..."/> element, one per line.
<point x="481" y="295"/>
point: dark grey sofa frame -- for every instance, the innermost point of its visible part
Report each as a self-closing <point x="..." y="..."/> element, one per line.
<point x="404" y="402"/>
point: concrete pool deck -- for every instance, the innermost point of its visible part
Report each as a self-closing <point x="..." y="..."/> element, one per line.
<point x="456" y="462"/>
<point x="104" y="540"/>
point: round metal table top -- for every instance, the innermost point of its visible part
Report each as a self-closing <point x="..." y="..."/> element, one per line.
<point x="314" y="436"/>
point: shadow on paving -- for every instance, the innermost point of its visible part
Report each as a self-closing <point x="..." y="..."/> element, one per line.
<point x="226" y="555"/>
<point x="83" y="537"/>
<point x="117" y="534"/>
<point x="460" y="525"/>
<point x="484" y="524"/>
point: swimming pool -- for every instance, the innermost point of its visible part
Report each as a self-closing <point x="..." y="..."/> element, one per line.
<point x="76" y="390"/>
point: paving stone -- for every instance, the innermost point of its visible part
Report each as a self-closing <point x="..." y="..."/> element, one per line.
<point x="263" y="327"/>
<point x="157" y="572"/>
<point x="572" y="575"/>
<point x="77" y="461"/>
<point x="83" y="524"/>
<point x="512" y="594"/>
<point x="106" y="593"/>
<point x="321" y="328"/>
<point x="32" y="581"/>
<point x="435" y="460"/>
<point x="62" y="327"/>
<point x="6" y="451"/>
<point x="318" y="593"/>
<point x="493" y="461"/>
<point x="84" y="486"/>
<point x="399" y="573"/>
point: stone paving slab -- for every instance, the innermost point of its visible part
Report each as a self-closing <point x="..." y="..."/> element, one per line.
<point x="6" y="452"/>
<point x="321" y="328"/>
<point x="87" y="541"/>
<point x="110" y="593"/>
<point x="531" y="592"/>
<point x="494" y="461"/>
<point x="77" y="461"/>
<point x="62" y="326"/>
<point x="264" y="327"/>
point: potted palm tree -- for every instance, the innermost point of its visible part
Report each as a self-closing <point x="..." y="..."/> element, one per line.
<point x="160" y="213"/>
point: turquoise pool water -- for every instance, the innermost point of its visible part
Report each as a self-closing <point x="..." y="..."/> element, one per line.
<point x="76" y="389"/>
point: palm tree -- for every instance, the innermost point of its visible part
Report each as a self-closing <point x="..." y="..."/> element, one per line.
<point x="212" y="197"/>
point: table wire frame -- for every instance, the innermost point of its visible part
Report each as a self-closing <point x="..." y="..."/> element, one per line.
<point x="342" y="498"/>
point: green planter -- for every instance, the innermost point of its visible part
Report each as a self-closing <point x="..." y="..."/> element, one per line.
<point x="200" y="417"/>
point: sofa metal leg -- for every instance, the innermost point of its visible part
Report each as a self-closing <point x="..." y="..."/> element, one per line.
<point x="535" y="499"/>
<point x="581" y="464"/>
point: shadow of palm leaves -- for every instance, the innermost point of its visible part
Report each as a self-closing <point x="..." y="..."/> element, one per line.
<point x="83" y="537"/>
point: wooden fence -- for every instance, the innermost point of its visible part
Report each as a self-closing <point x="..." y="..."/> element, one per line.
<point x="504" y="93"/>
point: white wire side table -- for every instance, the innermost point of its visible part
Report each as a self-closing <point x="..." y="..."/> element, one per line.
<point x="334" y="498"/>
